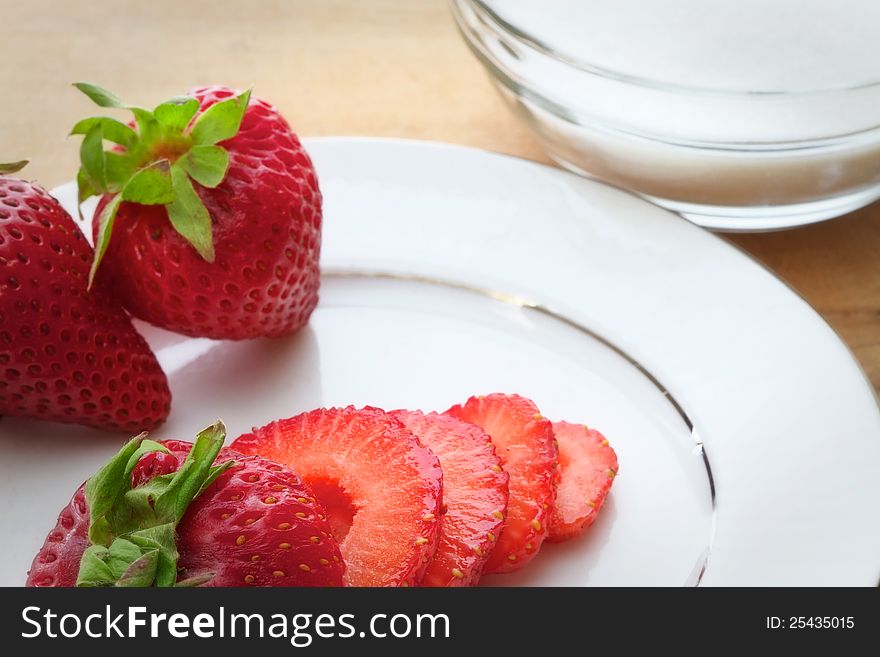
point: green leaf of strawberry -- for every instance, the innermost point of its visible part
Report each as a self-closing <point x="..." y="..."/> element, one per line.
<point x="132" y="530"/>
<point x="91" y="155"/>
<point x="12" y="167"/>
<point x="105" y="229"/>
<point x="104" y="488"/>
<point x="142" y="571"/>
<point x="94" y="569"/>
<point x="176" y="113"/>
<point x="84" y="190"/>
<point x="113" y="130"/>
<point x="156" y="164"/>
<point x="188" y="214"/>
<point x="206" y="164"/>
<point x="221" y="121"/>
<point x="151" y="185"/>
<point x="100" y="96"/>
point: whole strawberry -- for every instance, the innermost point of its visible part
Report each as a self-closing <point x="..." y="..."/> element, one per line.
<point x="66" y="354"/>
<point x="162" y="514"/>
<point x="210" y="218"/>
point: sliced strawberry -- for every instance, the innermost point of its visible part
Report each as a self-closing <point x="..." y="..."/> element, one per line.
<point x="524" y="441"/>
<point x="475" y="492"/>
<point x="381" y="488"/>
<point x="588" y="466"/>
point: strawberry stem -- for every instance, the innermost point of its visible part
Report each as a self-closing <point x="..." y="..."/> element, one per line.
<point x="132" y="530"/>
<point x="174" y="145"/>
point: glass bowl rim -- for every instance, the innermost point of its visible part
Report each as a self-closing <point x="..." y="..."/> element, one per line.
<point x="535" y="43"/>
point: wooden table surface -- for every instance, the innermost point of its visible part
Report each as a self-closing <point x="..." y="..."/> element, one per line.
<point x="344" y="67"/>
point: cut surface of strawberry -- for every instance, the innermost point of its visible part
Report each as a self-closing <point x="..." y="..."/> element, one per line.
<point x="475" y="491"/>
<point x="381" y="487"/>
<point x="588" y="466"/>
<point x="524" y="442"/>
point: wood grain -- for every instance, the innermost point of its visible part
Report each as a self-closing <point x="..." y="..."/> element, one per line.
<point x="345" y="67"/>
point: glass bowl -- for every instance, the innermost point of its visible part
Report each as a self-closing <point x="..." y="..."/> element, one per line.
<point x="740" y="116"/>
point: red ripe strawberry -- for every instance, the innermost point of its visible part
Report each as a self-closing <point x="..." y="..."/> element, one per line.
<point x="152" y="465"/>
<point x="66" y="354"/>
<point x="257" y="525"/>
<point x="57" y="562"/>
<point x="588" y="466"/>
<point x="474" y="495"/>
<point x="524" y="441"/>
<point x="252" y="523"/>
<point x="214" y="211"/>
<point x="381" y="488"/>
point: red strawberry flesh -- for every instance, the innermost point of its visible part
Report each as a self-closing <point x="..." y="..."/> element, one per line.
<point x="588" y="466"/>
<point x="381" y="487"/>
<point x="475" y="491"/>
<point x="524" y="441"/>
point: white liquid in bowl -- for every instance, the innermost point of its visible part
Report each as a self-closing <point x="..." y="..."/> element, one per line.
<point x="745" y="108"/>
<point x="742" y="45"/>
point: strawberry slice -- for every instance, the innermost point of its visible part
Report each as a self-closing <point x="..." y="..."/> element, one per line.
<point x="588" y="466"/>
<point x="524" y="441"/>
<point x="475" y="491"/>
<point x="382" y="489"/>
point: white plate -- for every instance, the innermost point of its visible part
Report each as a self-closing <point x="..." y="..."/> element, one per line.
<point x="452" y="272"/>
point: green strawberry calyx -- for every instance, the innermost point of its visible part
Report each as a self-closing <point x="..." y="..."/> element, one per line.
<point x="156" y="162"/>
<point x="132" y="530"/>
<point x="11" y="167"/>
